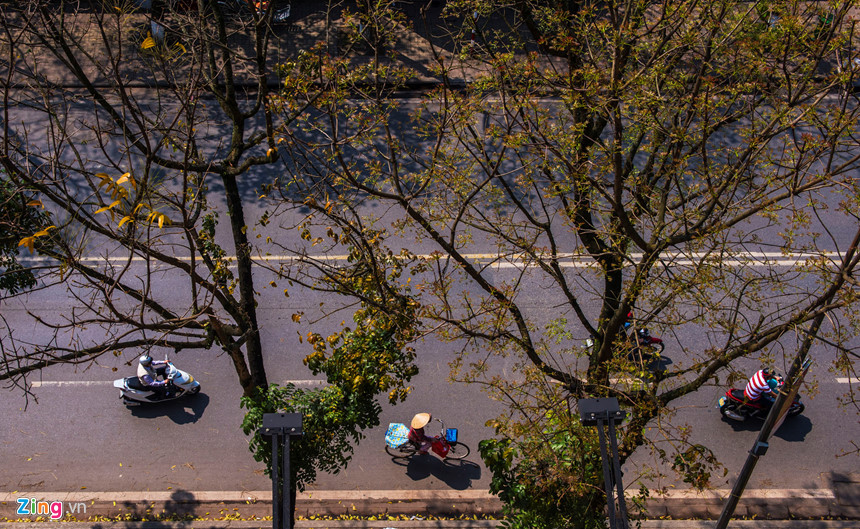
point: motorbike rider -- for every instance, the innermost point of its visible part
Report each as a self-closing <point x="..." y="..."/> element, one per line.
<point x="762" y="384"/>
<point x="149" y="372"/>
<point x="416" y="432"/>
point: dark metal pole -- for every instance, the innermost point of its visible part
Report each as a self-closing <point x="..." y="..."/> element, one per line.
<point x="607" y="475"/>
<point x="760" y="446"/>
<point x="758" y="450"/>
<point x="280" y="427"/>
<point x="622" y="505"/>
<point x="287" y="484"/>
<point x="277" y="521"/>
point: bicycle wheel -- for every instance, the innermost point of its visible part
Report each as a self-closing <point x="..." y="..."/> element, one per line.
<point x="457" y="451"/>
<point x="405" y="450"/>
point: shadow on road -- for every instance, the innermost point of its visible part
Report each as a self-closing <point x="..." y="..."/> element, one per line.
<point x="176" y="410"/>
<point x="793" y="430"/>
<point x="456" y="474"/>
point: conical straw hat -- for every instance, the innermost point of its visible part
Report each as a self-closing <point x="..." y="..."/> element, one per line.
<point x="420" y="420"/>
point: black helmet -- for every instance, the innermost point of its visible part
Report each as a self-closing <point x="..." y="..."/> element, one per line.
<point x="145" y="360"/>
<point x="768" y="371"/>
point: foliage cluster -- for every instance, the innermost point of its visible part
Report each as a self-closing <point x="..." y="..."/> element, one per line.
<point x="549" y="478"/>
<point x="23" y="223"/>
<point x="359" y="366"/>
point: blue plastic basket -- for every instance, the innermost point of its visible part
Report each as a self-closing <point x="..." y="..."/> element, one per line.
<point x="451" y="435"/>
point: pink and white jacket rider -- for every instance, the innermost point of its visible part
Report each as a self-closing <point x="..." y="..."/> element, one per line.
<point x="756" y="386"/>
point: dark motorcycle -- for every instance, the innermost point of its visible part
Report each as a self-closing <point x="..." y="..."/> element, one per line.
<point x="644" y="339"/>
<point x="642" y="348"/>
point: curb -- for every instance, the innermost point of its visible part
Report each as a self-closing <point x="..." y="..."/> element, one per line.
<point x="441" y="524"/>
<point x="780" y="504"/>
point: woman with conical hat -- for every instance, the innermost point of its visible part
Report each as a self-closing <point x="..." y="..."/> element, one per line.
<point x="416" y="432"/>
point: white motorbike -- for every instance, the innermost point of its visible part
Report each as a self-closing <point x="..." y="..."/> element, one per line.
<point x="134" y="393"/>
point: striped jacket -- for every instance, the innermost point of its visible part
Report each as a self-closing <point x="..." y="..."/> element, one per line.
<point x="756" y="386"/>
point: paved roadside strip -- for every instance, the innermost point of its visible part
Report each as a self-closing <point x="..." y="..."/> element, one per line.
<point x="428" y="524"/>
<point x="842" y="501"/>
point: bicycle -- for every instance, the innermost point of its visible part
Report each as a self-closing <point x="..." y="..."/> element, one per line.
<point x="445" y="445"/>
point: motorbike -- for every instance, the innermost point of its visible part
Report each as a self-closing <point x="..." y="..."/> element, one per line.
<point x="644" y="339"/>
<point x="134" y="393"/>
<point x="733" y="405"/>
<point x="643" y="348"/>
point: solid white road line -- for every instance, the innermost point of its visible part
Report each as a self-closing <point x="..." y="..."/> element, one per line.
<point x="305" y="383"/>
<point x="309" y="382"/>
<point x="65" y="383"/>
<point x="85" y="383"/>
<point x="515" y="261"/>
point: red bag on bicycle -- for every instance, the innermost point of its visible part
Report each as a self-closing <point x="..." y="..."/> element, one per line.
<point x="439" y="447"/>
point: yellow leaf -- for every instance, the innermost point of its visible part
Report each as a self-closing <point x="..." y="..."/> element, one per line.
<point x="42" y="233"/>
<point x="111" y="205"/>
<point x="124" y="220"/>
<point x="36" y="202"/>
<point x="148" y="43"/>
<point x="29" y="242"/>
<point x="118" y="191"/>
<point x="160" y="221"/>
<point x="123" y="179"/>
<point x="180" y="46"/>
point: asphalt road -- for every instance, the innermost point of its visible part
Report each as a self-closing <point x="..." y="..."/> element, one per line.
<point x="78" y="436"/>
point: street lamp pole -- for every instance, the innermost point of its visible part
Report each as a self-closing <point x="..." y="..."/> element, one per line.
<point x="777" y="413"/>
<point x="281" y="427"/>
<point x="602" y="413"/>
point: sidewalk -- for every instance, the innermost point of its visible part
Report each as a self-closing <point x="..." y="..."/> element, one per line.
<point x="648" y="524"/>
<point x="842" y="500"/>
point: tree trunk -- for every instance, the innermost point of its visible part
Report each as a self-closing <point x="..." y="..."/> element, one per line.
<point x="247" y="301"/>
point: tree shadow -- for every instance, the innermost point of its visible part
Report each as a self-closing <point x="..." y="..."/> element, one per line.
<point x="457" y="474"/>
<point x="176" y="410"/>
<point x="845" y="487"/>
<point x="181" y="504"/>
